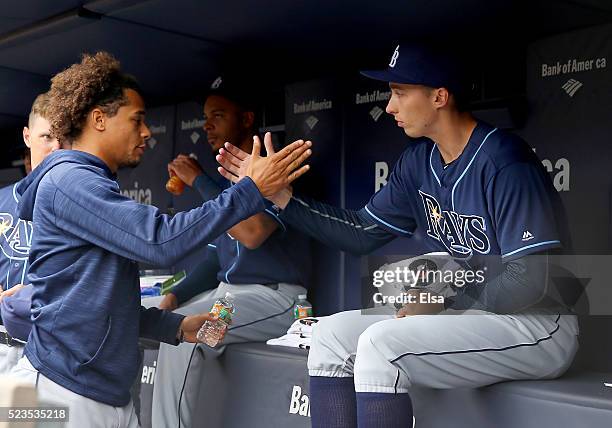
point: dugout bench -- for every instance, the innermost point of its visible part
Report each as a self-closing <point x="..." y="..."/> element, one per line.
<point x="263" y="386"/>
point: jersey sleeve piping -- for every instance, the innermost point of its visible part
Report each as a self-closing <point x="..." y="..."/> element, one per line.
<point x="528" y="249"/>
<point x="387" y="224"/>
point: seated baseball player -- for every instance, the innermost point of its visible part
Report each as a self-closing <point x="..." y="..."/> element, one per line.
<point x="15" y="240"/>
<point x="477" y="193"/>
<point x="86" y="312"/>
<point x="263" y="262"/>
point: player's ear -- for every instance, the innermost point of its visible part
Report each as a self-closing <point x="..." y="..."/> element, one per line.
<point x="26" y="136"/>
<point x="248" y="118"/>
<point x="98" y="119"/>
<point x="441" y="97"/>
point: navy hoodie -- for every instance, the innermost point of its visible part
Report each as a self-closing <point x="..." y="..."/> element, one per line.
<point x="88" y="240"/>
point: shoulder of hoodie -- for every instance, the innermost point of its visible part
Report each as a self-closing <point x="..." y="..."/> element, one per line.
<point x="76" y="176"/>
<point x="503" y="149"/>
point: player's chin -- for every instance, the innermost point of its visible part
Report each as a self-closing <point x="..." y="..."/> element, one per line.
<point x="412" y="132"/>
<point x="216" y="145"/>
<point x="132" y="162"/>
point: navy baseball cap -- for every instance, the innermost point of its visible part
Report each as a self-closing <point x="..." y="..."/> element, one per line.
<point x="422" y="65"/>
<point x="236" y="90"/>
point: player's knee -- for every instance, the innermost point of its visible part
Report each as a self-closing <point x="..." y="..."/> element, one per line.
<point x="329" y="331"/>
<point x="372" y="341"/>
<point x="324" y="335"/>
<point x="374" y="372"/>
<point x="326" y="349"/>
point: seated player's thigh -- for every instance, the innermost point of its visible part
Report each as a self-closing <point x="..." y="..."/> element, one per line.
<point x="194" y="305"/>
<point x="467" y="350"/>
<point x="334" y="342"/>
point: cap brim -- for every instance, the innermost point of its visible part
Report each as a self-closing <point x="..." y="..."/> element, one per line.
<point x="389" y="76"/>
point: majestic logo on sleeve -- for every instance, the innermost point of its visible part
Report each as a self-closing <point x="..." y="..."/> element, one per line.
<point x="461" y="234"/>
<point x="15" y="240"/>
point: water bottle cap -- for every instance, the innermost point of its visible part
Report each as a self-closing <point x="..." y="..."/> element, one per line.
<point x="302" y="296"/>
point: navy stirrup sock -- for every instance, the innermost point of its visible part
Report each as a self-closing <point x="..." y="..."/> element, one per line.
<point x="332" y="402"/>
<point x="376" y="410"/>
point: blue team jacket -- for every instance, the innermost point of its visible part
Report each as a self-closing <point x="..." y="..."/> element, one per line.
<point x="88" y="240"/>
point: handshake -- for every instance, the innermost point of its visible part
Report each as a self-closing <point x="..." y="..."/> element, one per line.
<point x="272" y="174"/>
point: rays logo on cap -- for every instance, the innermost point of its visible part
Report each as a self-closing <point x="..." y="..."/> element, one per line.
<point x="394" y="57"/>
<point x="217" y="82"/>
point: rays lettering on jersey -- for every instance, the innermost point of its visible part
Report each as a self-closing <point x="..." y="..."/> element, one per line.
<point x="461" y="234"/>
<point x="15" y="240"/>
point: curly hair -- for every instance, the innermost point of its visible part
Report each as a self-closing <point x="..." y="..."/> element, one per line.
<point x="97" y="81"/>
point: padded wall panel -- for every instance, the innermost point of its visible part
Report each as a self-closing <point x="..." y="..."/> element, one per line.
<point x="313" y="112"/>
<point x="577" y="400"/>
<point x="569" y="89"/>
<point x="256" y="386"/>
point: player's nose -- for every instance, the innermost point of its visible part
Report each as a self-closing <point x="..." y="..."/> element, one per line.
<point x="391" y="108"/>
<point x="145" y="132"/>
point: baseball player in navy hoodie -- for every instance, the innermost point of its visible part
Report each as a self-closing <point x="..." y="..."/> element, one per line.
<point x="83" y="348"/>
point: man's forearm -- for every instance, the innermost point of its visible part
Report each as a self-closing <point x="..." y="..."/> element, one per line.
<point x="251" y="232"/>
<point x="521" y="284"/>
<point x="160" y="325"/>
<point x="158" y="239"/>
<point x="346" y="230"/>
<point x="207" y="187"/>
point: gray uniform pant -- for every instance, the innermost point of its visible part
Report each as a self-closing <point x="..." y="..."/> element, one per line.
<point x="457" y="349"/>
<point x="9" y="355"/>
<point x="262" y="312"/>
<point x="83" y="412"/>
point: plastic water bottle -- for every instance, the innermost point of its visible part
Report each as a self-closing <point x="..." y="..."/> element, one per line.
<point x="302" y="308"/>
<point x="211" y="331"/>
